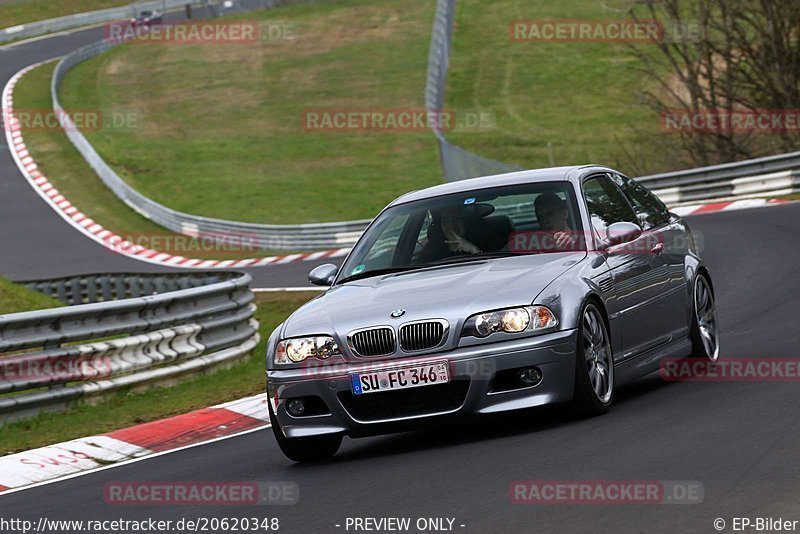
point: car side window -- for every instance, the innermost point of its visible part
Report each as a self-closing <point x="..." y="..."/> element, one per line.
<point x="380" y="255"/>
<point x="607" y="205"/>
<point x="651" y="211"/>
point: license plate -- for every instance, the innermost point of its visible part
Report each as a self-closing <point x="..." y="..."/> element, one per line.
<point x="429" y="374"/>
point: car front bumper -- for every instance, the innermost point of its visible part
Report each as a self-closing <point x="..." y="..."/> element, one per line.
<point x="473" y="388"/>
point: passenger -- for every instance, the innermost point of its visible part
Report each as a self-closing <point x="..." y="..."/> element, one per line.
<point x="552" y="214"/>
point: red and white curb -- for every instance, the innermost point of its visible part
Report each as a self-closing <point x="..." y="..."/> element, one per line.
<point x="729" y="205"/>
<point x="97" y="232"/>
<point x="83" y="455"/>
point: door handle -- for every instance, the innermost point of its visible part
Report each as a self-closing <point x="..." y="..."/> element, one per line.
<point x="657" y="249"/>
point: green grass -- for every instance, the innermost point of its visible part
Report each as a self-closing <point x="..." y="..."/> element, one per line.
<point x="20" y="11"/>
<point x="125" y="409"/>
<point x="219" y="129"/>
<point x="64" y="166"/>
<point x="580" y="96"/>
<point x="73" y="177"/>
<point x="17" y="298"/>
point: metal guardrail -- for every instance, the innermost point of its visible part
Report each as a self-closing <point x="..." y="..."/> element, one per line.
<point x="121" y="330"/>
<point x="769" y="176"/>
<point x="457" y="163"/>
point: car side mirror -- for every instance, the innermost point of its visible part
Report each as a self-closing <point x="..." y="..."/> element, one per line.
<point x="621" y="232"/>
<point x="323" y="275"/>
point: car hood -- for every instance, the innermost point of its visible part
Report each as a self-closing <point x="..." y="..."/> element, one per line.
<point x="451" y="292"/>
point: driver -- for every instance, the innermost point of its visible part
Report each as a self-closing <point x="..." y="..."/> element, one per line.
<point x="552" y="214"/>
<point x="453" y="228"/>
<point x="446" y="237"/>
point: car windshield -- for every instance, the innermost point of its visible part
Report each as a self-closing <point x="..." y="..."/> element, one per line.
<point x="485" y="223"/>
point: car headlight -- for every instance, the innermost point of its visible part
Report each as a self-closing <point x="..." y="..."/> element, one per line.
<point x="298" y="349"/>
<point x="510" y="320"/>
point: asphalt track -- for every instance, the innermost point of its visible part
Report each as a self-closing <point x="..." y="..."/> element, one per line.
<point x="35" y="242"/>
<point x="740" y="440"/>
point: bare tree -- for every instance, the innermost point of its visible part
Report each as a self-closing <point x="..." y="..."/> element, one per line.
<point x="723" y="56"/>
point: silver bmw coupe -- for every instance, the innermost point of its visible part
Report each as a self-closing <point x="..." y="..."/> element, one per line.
<point x="489" y="295"/>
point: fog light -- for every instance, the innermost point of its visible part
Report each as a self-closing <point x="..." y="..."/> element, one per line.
<point x="530" y="376"/>
<point x="296" y="407"/>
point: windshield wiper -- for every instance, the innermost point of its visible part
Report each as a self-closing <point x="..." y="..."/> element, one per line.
<point x="434" y="263"/>
<point x="378" y="272"/>
<point x="472" y="257"/>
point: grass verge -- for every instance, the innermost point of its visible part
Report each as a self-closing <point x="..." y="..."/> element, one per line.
<point x="582" y="97"/>
<point x="129" y="408"/>
<point x="17" y="298"/>
<point x="75" y="179"/>
<point x="218" y="130"/>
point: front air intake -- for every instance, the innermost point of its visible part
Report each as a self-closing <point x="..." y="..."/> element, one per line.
<point x="373" y="342"/>
<point x="422" y="335"/>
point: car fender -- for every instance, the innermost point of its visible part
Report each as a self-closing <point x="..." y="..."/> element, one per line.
<point x="568" y="293"/>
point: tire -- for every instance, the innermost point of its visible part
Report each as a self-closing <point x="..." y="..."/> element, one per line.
<point x="704" y="330"/>
<point x="594" y="364"/>
<point x="311" y="449"/>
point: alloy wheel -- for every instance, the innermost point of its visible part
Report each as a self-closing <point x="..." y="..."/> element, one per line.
<point x="706" y="317"/>
<point x="597" y="350"/>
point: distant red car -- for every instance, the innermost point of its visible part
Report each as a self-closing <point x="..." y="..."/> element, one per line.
<point x="147" y="18"/>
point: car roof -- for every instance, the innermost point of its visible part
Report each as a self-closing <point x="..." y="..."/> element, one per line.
<point x="553" y="174"/>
